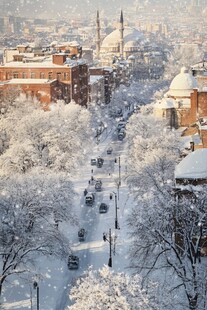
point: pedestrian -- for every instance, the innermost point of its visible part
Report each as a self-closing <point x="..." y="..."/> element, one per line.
<point x="92" y="178"/>
<point x="89" y="182"/>
<point x="91" y="170"/>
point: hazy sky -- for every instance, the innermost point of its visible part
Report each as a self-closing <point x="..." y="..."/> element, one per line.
<point x="54" y="8"/>
<point x="41" y="8"/>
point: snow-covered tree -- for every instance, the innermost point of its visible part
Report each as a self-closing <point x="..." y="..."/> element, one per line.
<point x="105" y="289"/>
<point x="7" y="99"/>
<point x="183" y="55"/>
<point x="167" y="232"/>
<point x="31" y="209"/>
<point x="52" y="139"/>
<point x="169" y="237"/>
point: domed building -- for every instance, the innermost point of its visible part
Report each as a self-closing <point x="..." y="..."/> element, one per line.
<point x="119" y="44"/>
<point x="131" y="42"/>
<point x="178" y="104"/>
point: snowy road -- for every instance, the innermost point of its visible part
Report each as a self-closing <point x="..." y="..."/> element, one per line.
<point x="94" y="251"/>
<point x="56" y="282"/>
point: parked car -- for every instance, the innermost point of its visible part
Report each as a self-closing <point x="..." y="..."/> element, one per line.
<point x="73" y="262"/>
<point x="109" y="150"/>
<point x="93" y="162"/>
<point x="89" y="199"/>
<point x="103" y="208"/>
<point x="98" y="185"/>
<point x="81" y="234"/>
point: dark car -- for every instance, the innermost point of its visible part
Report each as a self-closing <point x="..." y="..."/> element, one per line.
<point x="73" y="262"/>
<point x="100" y="162"/>
<point x="89" y="199"/>
<point x="109" y="150"/>
<point x="103" y="208"/>
<point x="121" y="134"/>
<point x="93" y="162"/>
<point x="98" y="185"/>
<point x="81" y="234"/>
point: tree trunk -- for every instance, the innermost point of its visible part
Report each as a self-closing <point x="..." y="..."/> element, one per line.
<point x="2" y="279"/>
<point x="193" y="302"/>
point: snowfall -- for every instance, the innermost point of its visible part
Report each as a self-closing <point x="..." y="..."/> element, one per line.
<point x="57" y="279"/>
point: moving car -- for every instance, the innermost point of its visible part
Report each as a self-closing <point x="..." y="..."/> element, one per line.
<point x="93" y="162"/>
<point x="73" y="262"/>
<point x="109" y="150"/>
<point x="121" y="134"/>
<point x="98" y="185"/>
<point x="89" y="199"/>
<point x="103" y="208"/>
<point x="100" y="162"/>
<point x="81" y="234"/>
<point x="120" y="125"/>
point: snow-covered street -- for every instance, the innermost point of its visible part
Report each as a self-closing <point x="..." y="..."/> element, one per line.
<point x="54" y="287"/>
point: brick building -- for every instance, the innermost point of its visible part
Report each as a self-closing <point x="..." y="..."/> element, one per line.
<point x="46" y="91"/>
<point x="66" y="78"/>
<point x="185" y="105"/>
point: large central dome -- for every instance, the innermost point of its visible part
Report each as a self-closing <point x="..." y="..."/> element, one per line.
<point x="130" y="34"/>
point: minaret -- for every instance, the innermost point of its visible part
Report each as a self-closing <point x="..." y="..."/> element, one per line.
<point x="121" y="29"/>
<point x="98" y="36"/>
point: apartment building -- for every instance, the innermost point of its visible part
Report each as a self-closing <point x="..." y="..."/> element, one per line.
<point x="62" y="76"/>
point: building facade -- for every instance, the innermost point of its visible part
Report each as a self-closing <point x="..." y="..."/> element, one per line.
<point x="71" y="75"/>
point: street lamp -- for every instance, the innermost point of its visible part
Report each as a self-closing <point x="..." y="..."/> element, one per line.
<point x="36" y="286"/>
<point x="116" y="216"/>
<point x="110" y="246"/>
<point x="119" y="170"/>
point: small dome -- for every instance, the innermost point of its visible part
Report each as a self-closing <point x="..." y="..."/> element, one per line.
<point x="165" y="103"/>
<point x="183" y="84"/>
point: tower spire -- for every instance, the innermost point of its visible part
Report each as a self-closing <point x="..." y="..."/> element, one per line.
<point x="121" y="29"/>
<point x="98" y="35"/>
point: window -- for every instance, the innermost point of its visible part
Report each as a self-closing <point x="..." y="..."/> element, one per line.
<point x="15" y="75"/>
<point x="32" y="75"/>
<point x="49" y="75"/>
<point x="42" y="75"/>
<point x="58" y="76"/>
<point x="24" y="76"/>
<point x="66" y="76"/>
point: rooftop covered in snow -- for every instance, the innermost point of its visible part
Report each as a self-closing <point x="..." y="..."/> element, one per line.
<point x="193" y="166"/>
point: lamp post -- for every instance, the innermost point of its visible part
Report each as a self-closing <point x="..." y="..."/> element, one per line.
<point x="119" y="170"/>
<point x="36" y="286"/>
<point x="110" y="246"/>
<point x="116" y="216"/>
